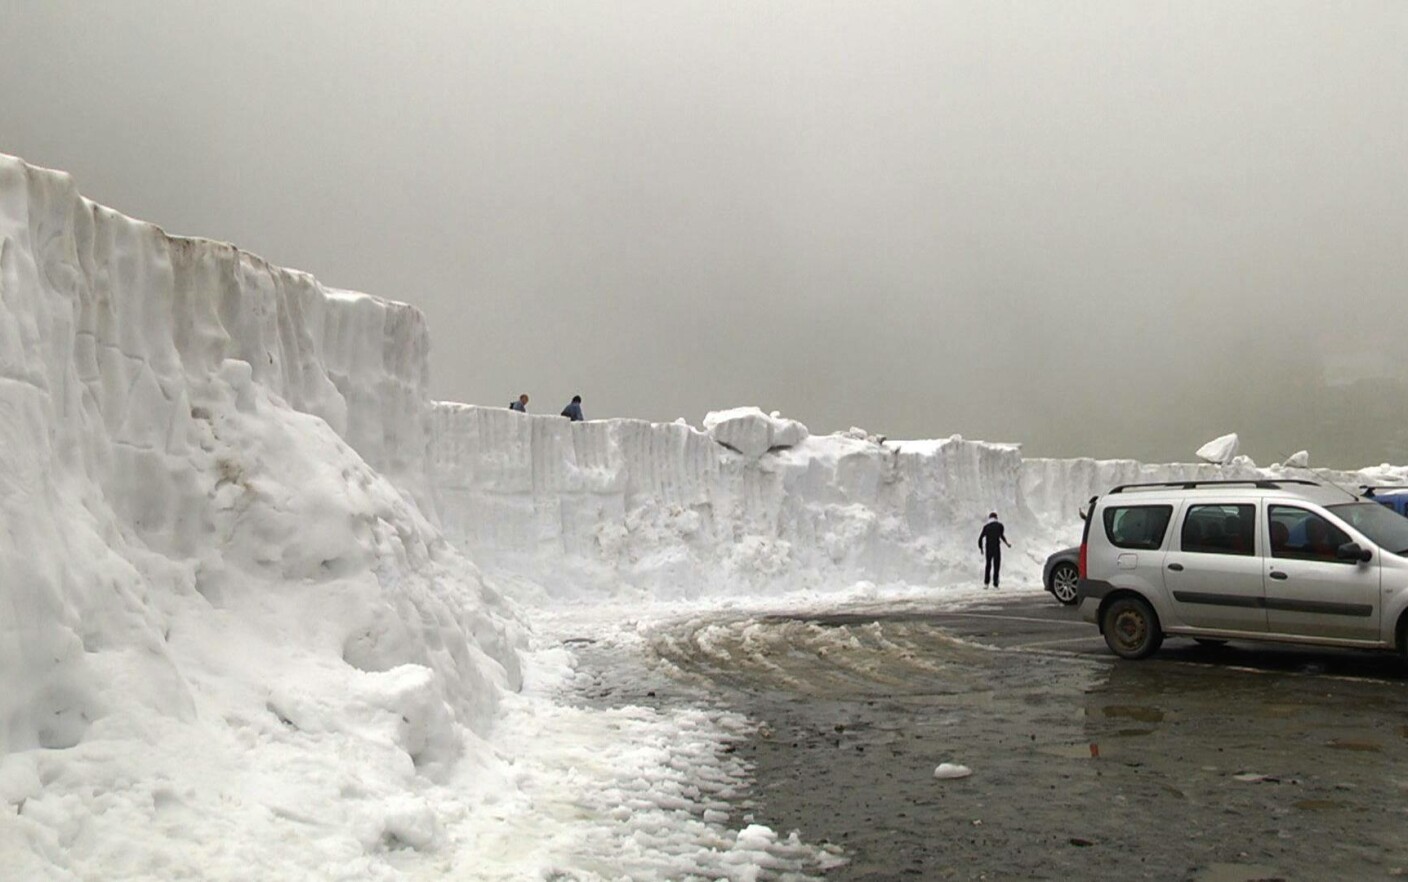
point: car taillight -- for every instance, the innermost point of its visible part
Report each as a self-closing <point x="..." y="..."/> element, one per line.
<point x="1080" y="564"/>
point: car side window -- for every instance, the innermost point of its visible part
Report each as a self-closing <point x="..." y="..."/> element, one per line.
<point x="1219" y="529"/>
<point x="1137" y="526"/>
<point x="1299" y="534"/>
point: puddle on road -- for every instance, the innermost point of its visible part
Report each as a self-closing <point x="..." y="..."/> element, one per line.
<point x="1138" y="713"/>
<point x="1066" y="751"/>
<point x="1240" y="873"/>
<point x="1318" y="805"/>
<point x="1359" y="746"/>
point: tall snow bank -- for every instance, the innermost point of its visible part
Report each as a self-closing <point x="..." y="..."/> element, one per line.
<point x="560" y="509"/>
<point x="667" y="510"/>
<point x="225" y="617"/>
<point x="1055" y="490"/>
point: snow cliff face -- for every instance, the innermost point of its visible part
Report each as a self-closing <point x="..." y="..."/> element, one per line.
<point x="212" y="478"/>
<point x="671" y="512"/>
<point x="665" y="511"/>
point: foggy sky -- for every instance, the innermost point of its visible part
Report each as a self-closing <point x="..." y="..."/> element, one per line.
<point x="1105" y="228"/>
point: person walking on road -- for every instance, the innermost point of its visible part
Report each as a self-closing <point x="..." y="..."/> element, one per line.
<point x="573" y="411"/>
<point x="990" y="542"/>
<point x="521" y="405"/>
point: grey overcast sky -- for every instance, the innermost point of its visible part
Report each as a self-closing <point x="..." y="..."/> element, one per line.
<point x="1115" y="228"/>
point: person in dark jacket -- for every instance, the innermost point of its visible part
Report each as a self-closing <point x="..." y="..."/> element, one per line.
<point x="521" y="405"/>
<point x="988" y="540"/>
<point x="573" y="411"/>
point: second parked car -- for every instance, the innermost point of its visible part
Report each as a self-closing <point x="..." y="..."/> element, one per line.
<point x="1061" y="575"/>
<point x="1394" y="497"/>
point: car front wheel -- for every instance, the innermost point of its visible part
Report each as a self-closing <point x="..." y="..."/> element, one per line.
<point x="1064" y="579"/>
<point x="1132" y="628"/>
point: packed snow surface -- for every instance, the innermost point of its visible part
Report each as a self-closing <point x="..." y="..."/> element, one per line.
<point x="241" y="635"/>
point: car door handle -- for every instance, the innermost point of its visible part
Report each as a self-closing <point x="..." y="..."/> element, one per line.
<point x="1176" y="567"/>
<point x="1277" y="574"/>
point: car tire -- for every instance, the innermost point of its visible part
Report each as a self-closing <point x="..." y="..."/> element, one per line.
<point x="1064" y="578"/>
<point x="1131" y="628"/>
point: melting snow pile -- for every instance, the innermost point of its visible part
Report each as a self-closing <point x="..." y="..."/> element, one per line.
<point x="233" y="641"/>
<point x="223" y="617"/>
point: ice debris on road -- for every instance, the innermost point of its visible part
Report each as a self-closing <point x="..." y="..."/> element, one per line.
<point x="946" y="771"/>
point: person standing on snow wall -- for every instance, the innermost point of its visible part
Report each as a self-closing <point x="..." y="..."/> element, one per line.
<point x="521" y="405"/>
<point x="573" y="411"/>
<point x="988" y="543"/>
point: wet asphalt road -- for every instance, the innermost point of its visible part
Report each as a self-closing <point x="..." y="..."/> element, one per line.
<point x="1234" y="763"/>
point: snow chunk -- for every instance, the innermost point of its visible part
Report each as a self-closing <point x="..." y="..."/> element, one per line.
<point x="1298" y="460"/>
<point x="751" y="432"/>
<point x="860" y="434"/>
<point x="951" y="770"/>
<point x="1220" y="451"/>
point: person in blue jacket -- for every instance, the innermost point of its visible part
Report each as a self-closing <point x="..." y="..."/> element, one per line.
<point x="521" y="405"/>
<point x="573" y="411"/>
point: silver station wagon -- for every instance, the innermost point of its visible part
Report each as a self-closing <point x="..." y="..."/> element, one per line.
<point x="1286" y="560"/>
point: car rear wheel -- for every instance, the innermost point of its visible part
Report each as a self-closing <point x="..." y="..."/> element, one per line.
<point x="1064" y="579"/>
<point x="1132" y="628"/>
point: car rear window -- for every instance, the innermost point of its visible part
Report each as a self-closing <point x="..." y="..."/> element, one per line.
<point x="1137" y="526"/>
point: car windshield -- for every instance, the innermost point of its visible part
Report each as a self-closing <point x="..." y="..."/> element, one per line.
<point x="1384" y="527"/>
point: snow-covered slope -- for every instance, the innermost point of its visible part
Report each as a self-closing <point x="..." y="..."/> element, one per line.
<point x="212" y="477"/>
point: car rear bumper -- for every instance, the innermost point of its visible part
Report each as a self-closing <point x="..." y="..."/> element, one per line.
<point x="1090" y="593"/>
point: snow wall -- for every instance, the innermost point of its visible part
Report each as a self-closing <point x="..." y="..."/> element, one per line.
<point x="666" y="511"/>
<point x="216" y="540"/>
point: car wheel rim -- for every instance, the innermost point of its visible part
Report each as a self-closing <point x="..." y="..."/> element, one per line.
<point x="1131" y="629"/>
<point x="1063" y="584"/>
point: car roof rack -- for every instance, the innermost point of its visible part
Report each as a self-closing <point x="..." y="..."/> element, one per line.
<point x="1259" y="483"/>
<point x="1370" y="488"/>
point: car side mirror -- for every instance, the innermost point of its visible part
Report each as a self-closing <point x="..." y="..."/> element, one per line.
<point x="1352" y="551"/>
